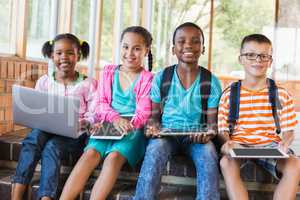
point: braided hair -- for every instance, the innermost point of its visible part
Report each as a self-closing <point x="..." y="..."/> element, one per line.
<point x="147" y="38"/>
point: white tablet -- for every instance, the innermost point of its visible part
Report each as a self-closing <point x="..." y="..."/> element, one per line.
<point x="258" y="153"/>
<point x="175" y="132"/>
<point x="107" y="131"/>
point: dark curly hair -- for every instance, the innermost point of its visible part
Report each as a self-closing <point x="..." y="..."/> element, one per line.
<point x="82" y="46"/>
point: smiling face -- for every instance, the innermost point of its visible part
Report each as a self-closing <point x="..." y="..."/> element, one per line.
<point x="188" y="45"/>
<point x="256" y="68"/>
<point x="133" y="50"/>
<point x="65" y="56"/>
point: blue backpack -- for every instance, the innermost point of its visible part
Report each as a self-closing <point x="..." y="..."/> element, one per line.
<point x="205" y="85"/>
<point x="234" y="104"/>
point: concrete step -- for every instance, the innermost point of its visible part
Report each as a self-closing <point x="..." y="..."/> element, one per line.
<point x="179" y="173"/>
<point x="123" y="190"/>
<point x="10" y="145"/>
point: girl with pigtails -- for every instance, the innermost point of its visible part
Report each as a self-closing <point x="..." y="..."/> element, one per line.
<point x="65" y="50"/>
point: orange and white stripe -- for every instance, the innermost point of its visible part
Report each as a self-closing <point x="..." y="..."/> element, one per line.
<point x="256" y="125"/>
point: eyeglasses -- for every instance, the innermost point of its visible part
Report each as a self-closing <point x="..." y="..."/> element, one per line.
<point x="254" y="56"/>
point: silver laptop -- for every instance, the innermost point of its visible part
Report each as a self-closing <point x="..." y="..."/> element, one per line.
<point x="47" y="112"/>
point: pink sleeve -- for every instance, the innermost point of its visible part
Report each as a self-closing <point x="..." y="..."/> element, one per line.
<point x="143" y="101"/>
<point x="104" y="111"/>
<point x="42" y="83"/>
<point x="89" y="99"/>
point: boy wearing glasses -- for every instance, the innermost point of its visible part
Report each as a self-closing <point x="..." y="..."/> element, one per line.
<point x="255" y="126"/>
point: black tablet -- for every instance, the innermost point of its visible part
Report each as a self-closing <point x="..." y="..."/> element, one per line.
<point x="258" y="153"/>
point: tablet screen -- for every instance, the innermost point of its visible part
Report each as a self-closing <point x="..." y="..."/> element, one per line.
<point x="107" y="131"/>
<point x="177" y="132"/>
<point x="258" y="153"/>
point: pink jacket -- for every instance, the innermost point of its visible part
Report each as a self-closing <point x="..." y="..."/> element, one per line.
<point x="82" y="88"/>
<point x="104" y="111"/>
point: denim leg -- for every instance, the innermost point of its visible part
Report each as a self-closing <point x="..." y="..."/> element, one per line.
<point x="30" y="154"/>
<point x="158" y="152"/>
<point x="51" y="162"/>
<point x="50" y="170"/>
<point x="205" y="159"/>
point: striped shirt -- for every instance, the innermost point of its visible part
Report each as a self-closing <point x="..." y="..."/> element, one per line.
<point x="256" y="125"/>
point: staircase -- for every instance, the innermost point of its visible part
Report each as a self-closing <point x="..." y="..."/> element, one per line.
<point x="178" y="181"/>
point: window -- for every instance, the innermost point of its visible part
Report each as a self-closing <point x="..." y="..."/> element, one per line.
<point x="107" y="32"/>
<point x="166" y="17"/>
<point x="127" y="15"/>
<point x="80" y="20"/>
<point x="233" y="20"/>
<point x="38" y="27"/>
<point x="7" y="20"/>
<point x="287" y="41"/>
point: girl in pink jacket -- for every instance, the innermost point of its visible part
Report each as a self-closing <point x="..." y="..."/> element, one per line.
<point x="123" y="91"/>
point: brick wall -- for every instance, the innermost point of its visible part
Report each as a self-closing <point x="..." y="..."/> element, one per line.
<point x="14" y="70"/>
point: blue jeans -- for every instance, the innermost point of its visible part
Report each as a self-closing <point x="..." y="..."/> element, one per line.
<point x="160" y="150"/>
<point x="50" y="149"/>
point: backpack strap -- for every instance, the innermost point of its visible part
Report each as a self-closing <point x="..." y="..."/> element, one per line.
<point x="234" y="105"/>
<point x="205" y="87"/>
<point x="275" y="103"/>
<point x="166" y="83"/>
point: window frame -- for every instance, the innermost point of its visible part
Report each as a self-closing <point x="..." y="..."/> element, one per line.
<point x="64" y="23"/>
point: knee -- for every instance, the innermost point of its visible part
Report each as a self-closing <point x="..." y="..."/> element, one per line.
<point x="292" y="167"/>
<point x="35" y="137"/>
<point x="53" y="145"/>
<point x="227" y="164"/>
<point x="91" y="154"/>
<point x="115" y="155"/>
<point x="207" y="152"/>
<point x="209" y="149"/>
<point x="157" y="146"/>
<point x="158" y="152"/>
<point x="52" y="150"/>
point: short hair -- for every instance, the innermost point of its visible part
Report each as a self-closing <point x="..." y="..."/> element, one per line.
<point x="187" y="24"/>
<point x="259" y="38"/>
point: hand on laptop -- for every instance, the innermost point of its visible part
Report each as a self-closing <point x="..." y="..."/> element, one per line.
<point x="152" y="131"/>
<point x="123" y="125"/>
<point x="228" y="145"/>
